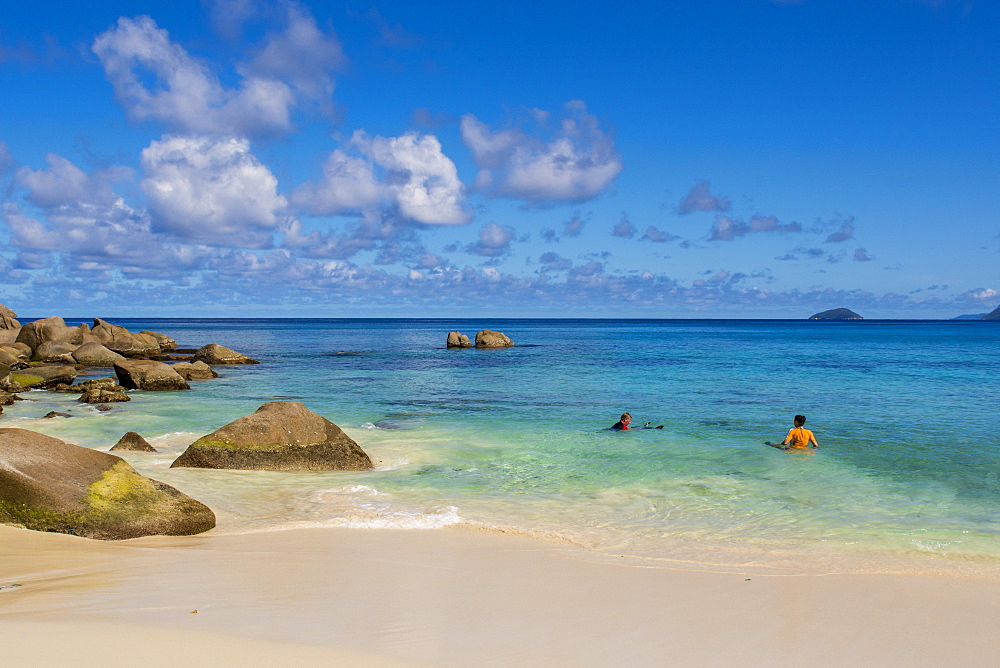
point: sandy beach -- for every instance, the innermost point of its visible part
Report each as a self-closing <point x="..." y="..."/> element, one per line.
<point x="458" y="597"/>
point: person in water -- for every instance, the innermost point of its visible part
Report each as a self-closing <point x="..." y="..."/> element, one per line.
<point x="623" y="422"/>
<point x="799" y="438"/>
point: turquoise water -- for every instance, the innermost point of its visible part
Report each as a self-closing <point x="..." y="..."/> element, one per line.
<point x="516" y="439"/>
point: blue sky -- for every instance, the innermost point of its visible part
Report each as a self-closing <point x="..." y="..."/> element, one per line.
<point x="710" y="158"/>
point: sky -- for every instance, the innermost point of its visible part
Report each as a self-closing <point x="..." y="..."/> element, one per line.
<point x="686" y="159"/>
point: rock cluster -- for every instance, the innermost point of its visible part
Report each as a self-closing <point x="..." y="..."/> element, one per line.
<point x="48" y="354"/>
<point x="485" y="338"/>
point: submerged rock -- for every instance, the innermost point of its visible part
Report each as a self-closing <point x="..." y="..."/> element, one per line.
<point x="215" y="354"/>
<point x="458" y="340"/>
<point x="487" y="338"/>
<point x="149" y="375"/>
<point x="279" y="436"/>
<point x="49" y="485"/>
<point x="134" y="442"/>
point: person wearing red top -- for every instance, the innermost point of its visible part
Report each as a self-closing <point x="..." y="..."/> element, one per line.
<point x="623" y="423"/>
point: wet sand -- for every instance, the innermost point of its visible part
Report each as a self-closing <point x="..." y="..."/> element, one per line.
<point x="458" y="597"/>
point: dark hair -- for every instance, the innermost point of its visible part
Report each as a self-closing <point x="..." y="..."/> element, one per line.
<point x="800" y="420"/>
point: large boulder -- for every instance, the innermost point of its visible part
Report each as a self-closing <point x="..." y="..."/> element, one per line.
<point x="134" y="442"/>
<point x="49" y="485"/>
<point x="148" y="375"/>
<point x="20" y="350"/>
<point x="43" y="376"/>
<point x="194" y="371"/>
<point x="279" y="436"/>
<point x="487" y="338"/>
<point x="122" y="341"/>
<point x="164" y="341"/>
<point x="37" y="332"/>
<point x="458" y="340"/>
<point x="9" y="326"/>
<point x="55" y="352"/>
<point x="11" y="360"/>
<point x="215" y="354"/>
<point x="95" y="354"/>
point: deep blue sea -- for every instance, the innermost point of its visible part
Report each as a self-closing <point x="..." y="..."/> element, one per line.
<point x="906" y="414"/>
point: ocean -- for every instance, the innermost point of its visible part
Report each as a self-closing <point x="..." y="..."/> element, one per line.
<point x="906" y="478"/>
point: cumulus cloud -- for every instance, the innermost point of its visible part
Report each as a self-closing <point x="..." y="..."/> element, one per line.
<point x="409" y="173"/>
<point x="212" y="191"/>
<point x="422" y="180"/>
<point x="861" y="255"/>
<point x="574" y="226"/>
<point x="7" y="162"/>
<point x="554" y="262"/>
<point x="301" y="54"/>
<point x="494" y="241"/>
<point x="701" y="199"/>
<point x="726" y="228"/>
<point x="574" y="163"/>
<point x="845" y="233"/>
<point x="658" y="236"/>
<point x="156" y="79"/>
<point x="624" y="228"/>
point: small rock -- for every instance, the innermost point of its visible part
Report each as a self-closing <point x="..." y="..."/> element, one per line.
<point x="133" y="441"/>
<point x="55" y="414"/>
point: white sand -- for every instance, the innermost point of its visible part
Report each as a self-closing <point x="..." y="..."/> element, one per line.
<point x="457" y="597"/>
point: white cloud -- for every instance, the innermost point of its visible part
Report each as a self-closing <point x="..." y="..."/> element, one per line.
<point x="493" y="241"/>
<point x="211" y="191"/>
<point x="701" y="199"/>
<point x="301" y="54"/>
<point x="426" y="185"/>
<point x="728" y="229"/>
<point x="409" y="173"/>
<point x="574" y="163"/>
<point x="349" y="184"/>
<point x="186" y="95"/>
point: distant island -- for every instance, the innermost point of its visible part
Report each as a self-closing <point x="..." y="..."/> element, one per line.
<point x="992" y="315"/>
<point x="836" y="314"/>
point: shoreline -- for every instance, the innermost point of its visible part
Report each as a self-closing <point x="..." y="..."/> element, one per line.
<point x="454" y="596"/>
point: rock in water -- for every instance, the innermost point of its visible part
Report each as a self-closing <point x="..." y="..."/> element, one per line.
<point x="458" y="340"/>
<point x="94" y="354"/>
<point x="133" y="441"/>
<point x="215" y="354"/>
<point x="43" y="376"/>
<point x="279" y="436"/>
<point x="49" y="485"/>
<point x="149" y="375"/>
<point x="194" y="371"/>
<point x="836" y="314"/>
<point x="98" y="395"/>
<point x="487" y="338"/>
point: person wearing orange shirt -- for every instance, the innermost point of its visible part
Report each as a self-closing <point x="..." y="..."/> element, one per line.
<point x="799" y="438"/>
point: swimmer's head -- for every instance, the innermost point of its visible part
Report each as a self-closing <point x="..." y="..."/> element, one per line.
<point x="800" y="420"/>
<point x="626" y="417"/>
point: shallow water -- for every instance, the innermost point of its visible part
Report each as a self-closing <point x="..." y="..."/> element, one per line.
<point x="516" y="439"/>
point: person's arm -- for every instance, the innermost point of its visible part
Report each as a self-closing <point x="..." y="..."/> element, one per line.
<point x="788" y="437"/>
<point x="812" y="439"/>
